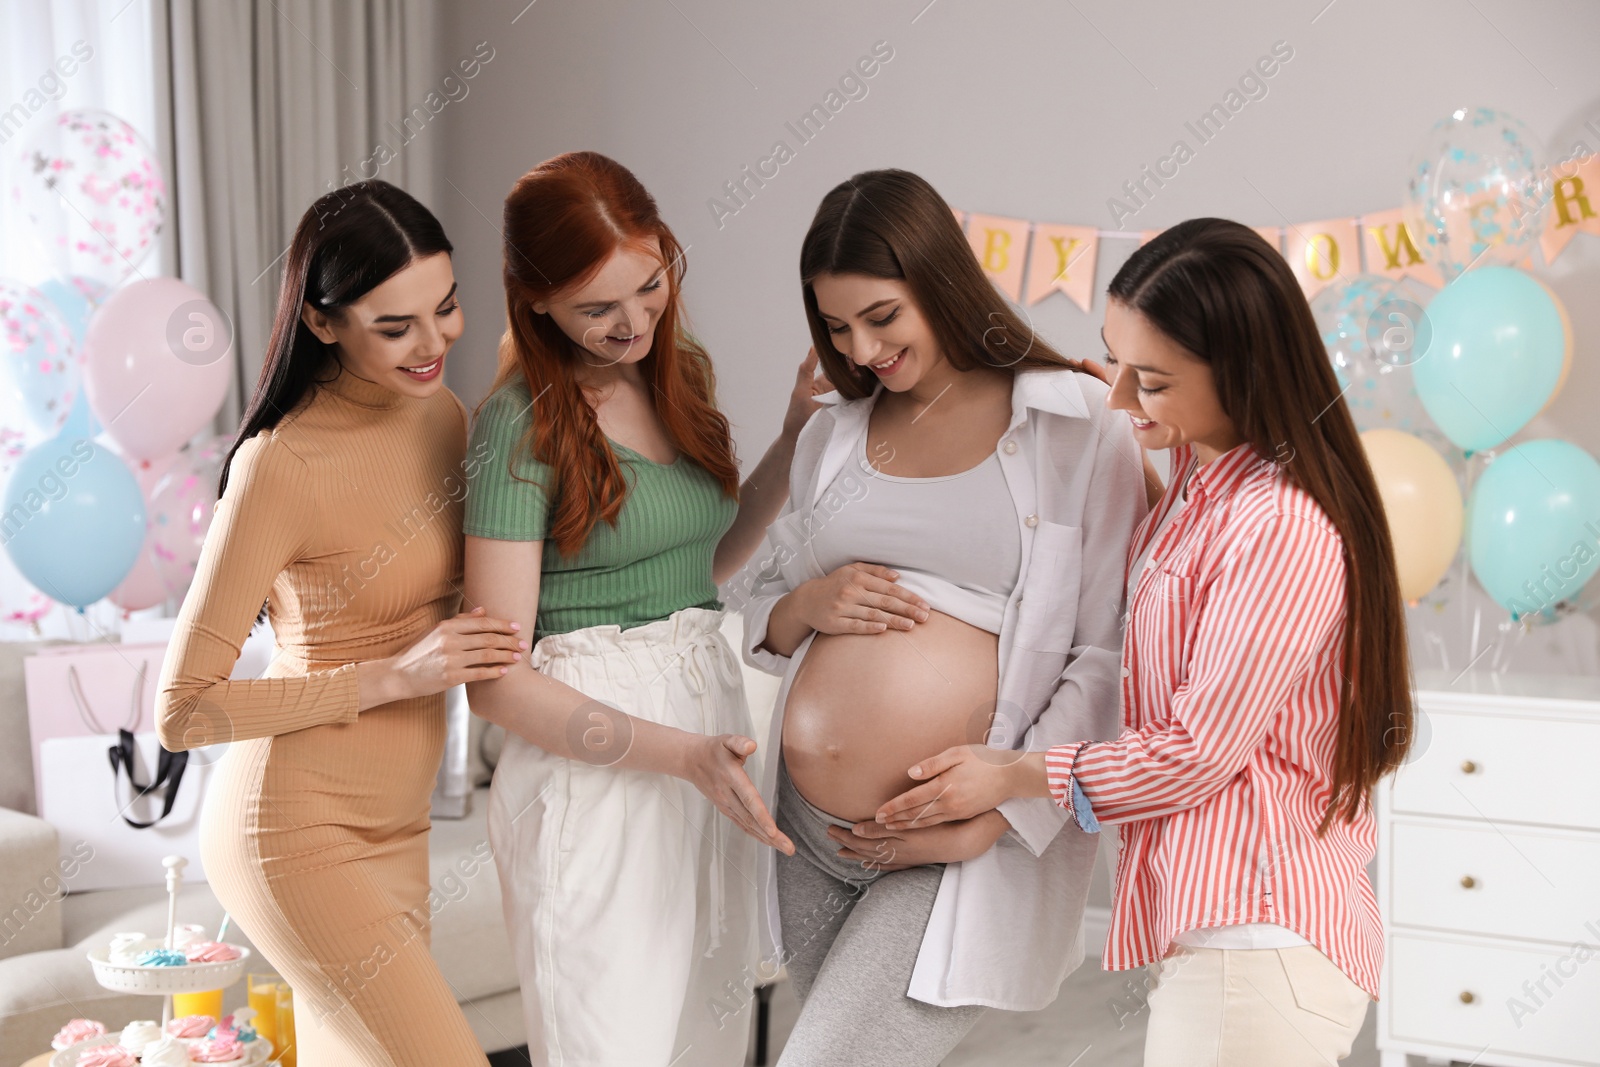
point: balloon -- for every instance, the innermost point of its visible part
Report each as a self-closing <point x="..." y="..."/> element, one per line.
<point x="1566" y="356"/>
<point x="91" y="193"/>
<point x="142" y="587"/>
<point x="156" y="368"/>
<point x="1532" y="529"/>
<point x="76" y="299"/>
<point x="1423" y="505"/>
<point x="20" y="602"/>
<point x="74" y="519"/>
<point x="1374" y="329"/>
<point x="181" y="506"/>
<point x="1499" y="344"/>
<point x="1478" y="193"/>
<point x="40" y="368"/>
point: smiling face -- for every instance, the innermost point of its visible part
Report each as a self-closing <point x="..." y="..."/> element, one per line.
<point x="399" y="333"/>
<point x="874" y="323"/>
<point x="613" y="316"/>
<point x="1168" y="392"/>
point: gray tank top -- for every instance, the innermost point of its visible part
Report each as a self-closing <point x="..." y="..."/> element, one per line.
<point x="954" y="539"/>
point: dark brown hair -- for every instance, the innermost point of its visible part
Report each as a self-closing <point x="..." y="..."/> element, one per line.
<point x="1220" y="291"/>
<point x="893" y="224"/>
<point x="563" y="219"/>
<point x="348" y="243"/>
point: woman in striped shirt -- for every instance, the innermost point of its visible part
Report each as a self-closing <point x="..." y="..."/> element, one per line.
<point x="1265" y="680"/>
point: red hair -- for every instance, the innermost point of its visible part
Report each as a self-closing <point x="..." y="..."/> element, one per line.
<point x="563" y="220"/>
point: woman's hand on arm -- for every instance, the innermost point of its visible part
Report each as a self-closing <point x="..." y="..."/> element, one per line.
<point x="764" y="491"/>
<point x="963" y="782"/>
<point x="470" y="647"/>
<point x="858" y="598"/>
<point x="880" y="848"/>
<point x="502" y="577"/>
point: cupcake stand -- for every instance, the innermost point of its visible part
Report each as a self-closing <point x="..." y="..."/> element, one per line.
<point x="165" y="981"/>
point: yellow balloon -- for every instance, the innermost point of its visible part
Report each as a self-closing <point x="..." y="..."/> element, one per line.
<point x="1423" y="505"/>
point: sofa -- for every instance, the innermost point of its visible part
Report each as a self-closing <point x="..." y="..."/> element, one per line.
<point x="45" y="978"/>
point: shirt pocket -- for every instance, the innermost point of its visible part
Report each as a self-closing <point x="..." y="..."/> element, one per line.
<point x="1047" y="612"/>
<point x="1162" y="611"/>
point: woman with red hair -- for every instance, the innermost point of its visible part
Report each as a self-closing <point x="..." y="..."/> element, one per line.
<point x="604" y="510"/>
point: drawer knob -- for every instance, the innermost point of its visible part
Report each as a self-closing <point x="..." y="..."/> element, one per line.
<point x="1467" y="996"/>
<point x="1468" y="767"/>
<point x="1468" y="882"/>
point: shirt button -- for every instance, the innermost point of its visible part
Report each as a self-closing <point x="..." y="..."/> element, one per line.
<point x="1126" y="672"/>
<point x="1010" y="447"/>
<point x="1031" y="520"/>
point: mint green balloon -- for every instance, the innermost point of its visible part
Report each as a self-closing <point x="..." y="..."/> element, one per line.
<point x="1533" y="527"/>
<point x="1496" y="355"/>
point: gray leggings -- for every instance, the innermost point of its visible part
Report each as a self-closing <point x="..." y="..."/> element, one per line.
<point x="851" y="937"/>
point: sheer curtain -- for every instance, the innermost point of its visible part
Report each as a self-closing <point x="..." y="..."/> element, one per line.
<point x="119" y="75"/>
<point x="264" y="106"/>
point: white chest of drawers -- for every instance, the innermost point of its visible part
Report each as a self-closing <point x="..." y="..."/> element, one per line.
<point x="1489" y="876"/>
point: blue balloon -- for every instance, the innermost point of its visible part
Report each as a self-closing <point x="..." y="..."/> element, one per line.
<point x="76" y="299"/>
<point x="1533" y="527"/>
<point x="74" y="519"/>
<point x="81" y="421"/>
<point x="1496" y="355"/>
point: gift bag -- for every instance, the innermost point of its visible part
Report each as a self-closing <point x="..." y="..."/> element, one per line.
<point x="101" y="776"/>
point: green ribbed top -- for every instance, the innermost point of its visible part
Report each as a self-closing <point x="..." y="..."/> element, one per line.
<point x="657" y="558"/>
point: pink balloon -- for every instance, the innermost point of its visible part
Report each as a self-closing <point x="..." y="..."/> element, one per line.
<point x="143" y="587"/>
<point x="157" y="364"/>
<point x="181" y="506"/>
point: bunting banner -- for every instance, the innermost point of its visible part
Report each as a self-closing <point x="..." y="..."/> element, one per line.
<point x="1028" y="260"/>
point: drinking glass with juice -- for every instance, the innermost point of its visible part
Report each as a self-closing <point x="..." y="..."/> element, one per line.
<point x="288" y="1053"/>
<point x="263" y="993"/>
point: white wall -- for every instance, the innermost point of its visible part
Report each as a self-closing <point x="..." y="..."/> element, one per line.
<point x="1035" y="109"/>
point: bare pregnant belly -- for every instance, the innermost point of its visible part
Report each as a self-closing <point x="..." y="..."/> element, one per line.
<point x="864" y="707"/>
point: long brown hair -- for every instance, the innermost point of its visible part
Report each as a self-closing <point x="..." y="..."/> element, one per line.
<point x="1224" y="294"/>
<point x="347" y="243"/>
<point x="893" y="224"/>
<point x="563" y="220"/>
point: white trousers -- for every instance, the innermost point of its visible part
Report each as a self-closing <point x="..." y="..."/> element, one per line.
<point x="629" y="898"/>
<point x="1265" y="1007"/>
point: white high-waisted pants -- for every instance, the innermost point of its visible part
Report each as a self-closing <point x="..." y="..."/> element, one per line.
<point x="629" y="898"/>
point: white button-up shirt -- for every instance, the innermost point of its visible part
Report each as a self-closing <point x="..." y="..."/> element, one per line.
<point x="1006" y="927"/>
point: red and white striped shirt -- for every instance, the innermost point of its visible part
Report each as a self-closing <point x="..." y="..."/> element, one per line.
<point x="1230" y="694"/>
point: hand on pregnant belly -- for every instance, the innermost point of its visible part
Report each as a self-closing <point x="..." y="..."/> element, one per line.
<point x="881" y="849"/>
<point x="858" y="598"/>
<point x="864" y="707"/>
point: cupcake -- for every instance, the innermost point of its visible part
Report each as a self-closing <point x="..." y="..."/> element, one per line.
<point x="125" y="948"/>
<point x="75" y="1031"/>
<point x="136" y="1035"/>
<point x="224" y="1048"/>
<point x="191" y="1027"/>
<point x="187" y="934"/>
<point x="166" y="1052"/>
<point x="241" y="1023"/>
<point x="210" y="952"/>
<point x="162" y="957"/>
<point x="106" y="1056"/>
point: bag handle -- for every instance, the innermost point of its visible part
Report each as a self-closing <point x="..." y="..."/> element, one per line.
<point x="86" y="714"/>
<point x="169" y="772"/>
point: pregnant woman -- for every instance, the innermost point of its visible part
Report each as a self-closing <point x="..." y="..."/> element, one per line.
<point x="1265" y="678"/>
<point x="604" y="510"/>
<point x="340" y="509"/>
<point x="948" y="570"/>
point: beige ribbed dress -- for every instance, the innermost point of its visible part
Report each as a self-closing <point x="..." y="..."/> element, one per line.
<point x="315" y="828"/>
